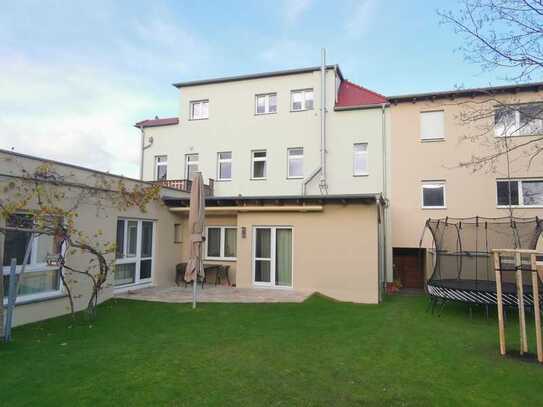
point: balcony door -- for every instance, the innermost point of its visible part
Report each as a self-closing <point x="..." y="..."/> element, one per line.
<point x="272" y="256"/>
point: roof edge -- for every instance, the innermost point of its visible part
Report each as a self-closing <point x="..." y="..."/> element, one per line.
<point x="270" y="74"/>
<point x="469" y="92"/>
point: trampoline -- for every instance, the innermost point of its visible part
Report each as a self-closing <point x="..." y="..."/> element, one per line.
<point x="463" y="265"/>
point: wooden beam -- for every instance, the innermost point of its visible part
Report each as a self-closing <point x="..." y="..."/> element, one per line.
<point x="537" y="309"/>
<point x="499" y="301"/>
<point x="520" y="302"/>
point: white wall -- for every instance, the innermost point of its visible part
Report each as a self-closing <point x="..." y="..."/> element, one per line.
<point x="233" y="126"/>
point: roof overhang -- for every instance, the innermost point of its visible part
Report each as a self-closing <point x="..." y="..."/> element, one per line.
<point x="291" y="202"/>
<point x="271" y="74"/>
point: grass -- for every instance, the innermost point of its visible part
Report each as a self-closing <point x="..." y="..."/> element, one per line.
<point x="320" y="353"/>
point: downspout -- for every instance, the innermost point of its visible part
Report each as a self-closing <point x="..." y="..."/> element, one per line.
<point x="384" y="218"/>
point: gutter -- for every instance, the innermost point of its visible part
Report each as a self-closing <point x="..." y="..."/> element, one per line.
<point x="361" y="107"/>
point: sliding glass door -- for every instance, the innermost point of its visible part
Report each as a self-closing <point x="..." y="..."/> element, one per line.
<point x="272" y="256"/>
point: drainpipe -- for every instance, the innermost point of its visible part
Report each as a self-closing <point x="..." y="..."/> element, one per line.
<point x="323" y="185"/>
<point x="384" y="218"/>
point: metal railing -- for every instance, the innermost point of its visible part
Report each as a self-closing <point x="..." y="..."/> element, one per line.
<point x="185" y="185"/>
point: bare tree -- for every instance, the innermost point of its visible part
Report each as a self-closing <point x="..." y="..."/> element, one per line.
<point x="505" y="36"/>
<point x="42" y="202"/>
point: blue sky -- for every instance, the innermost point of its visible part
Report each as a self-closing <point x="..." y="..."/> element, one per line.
<point x="75" y="76"/>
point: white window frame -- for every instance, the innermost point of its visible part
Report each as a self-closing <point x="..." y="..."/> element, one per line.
<point x="258" y="159"/>
<point x="137" y="258"/>
<point x="266" y="97"/>
<point x="429" y="183"/>
<point x="222" y="242"/>
<point x="224" y="161"/>
<point x="520" y="193"/>
<point x="161" y="164"/>
<point x="515" y="131"/>
<point x="272" y="259"/>
<point x="34" y="267"/>
<point x="433" y="138"/>
<point x="200" y="116"/>
<point x="295" y="157"/>
<point x="191" y="163"/>
<point x="304" y="106"/>
<point x="360" y="154"/>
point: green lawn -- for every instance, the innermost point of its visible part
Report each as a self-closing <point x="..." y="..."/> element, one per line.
<point x="316" y="353"/>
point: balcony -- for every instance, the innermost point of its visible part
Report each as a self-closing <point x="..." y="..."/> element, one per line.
<point x="185" y="185"/>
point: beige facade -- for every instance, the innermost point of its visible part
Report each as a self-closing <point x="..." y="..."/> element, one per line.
<point x="468" y="191"/>
<point x="90" y="220"/>
<point x="334" y="248"/>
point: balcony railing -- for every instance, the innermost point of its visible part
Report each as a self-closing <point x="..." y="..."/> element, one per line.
<point x="185" y="185"/>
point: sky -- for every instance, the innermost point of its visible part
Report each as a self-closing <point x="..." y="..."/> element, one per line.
<point x="76" y="75"/>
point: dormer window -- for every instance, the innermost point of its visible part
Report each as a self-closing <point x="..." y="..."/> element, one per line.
<point x="301" y="100"/>
<point x="266" y="103"/>
<point x="199" y="109"/>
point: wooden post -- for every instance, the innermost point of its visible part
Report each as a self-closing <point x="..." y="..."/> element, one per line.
<point x="520" y="302"/>
<point x="499" y="301"/>
<point x="537" y="309"/>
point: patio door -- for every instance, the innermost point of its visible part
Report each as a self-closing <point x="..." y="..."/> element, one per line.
<point x="272" y="256"/>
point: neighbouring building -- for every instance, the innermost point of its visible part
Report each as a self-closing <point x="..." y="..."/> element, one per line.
<point x="297" y="163"/>
<point x="146" y="255"/>
<point x="432" y="136"/>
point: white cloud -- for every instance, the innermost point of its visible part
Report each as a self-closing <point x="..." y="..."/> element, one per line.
<point x="70" y="113"/>
<point x="360" y="17"/>
<point x="294" y="9"/>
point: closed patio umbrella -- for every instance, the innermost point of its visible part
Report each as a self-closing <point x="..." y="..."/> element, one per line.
<point x="196" y="224"/>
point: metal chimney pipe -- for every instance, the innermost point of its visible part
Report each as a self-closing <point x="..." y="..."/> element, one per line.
<point x="323" y="184"/>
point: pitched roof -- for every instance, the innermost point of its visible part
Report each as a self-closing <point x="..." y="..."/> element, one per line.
<point x="157" y="122"/>
<point x="351" y="96"/>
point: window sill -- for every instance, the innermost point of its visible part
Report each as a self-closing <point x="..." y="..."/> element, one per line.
<point x="433" y="207"/>
<point x="432" y="140"/>
<point x="229" y="259"/>
<point x="361" y="175"/>
<point x="258" y="179"/>
<point x="519" y="206"/>
<point x="265" y="114"/>
<point x="36" y="298"/>
<point x="301" y="110"/>
<point x="197" y="120"/>
<point x="295" y="178"/>
<point x="224" y="180"/>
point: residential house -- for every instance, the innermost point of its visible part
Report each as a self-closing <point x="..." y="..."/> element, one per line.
<point x="297" y="160"/>
<point x="433" y="135"/>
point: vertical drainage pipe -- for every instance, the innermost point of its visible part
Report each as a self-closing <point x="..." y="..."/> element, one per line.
<point x="323" y="184"/>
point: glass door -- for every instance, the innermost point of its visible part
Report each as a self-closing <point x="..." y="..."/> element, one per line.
<point x="272" y="256"/>
<point x="262" y="256"/>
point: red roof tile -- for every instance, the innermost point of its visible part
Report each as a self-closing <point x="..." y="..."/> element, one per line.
<point x="158" y="122"/>
<point x="352" y="95"/>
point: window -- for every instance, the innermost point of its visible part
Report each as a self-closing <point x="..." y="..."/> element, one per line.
<point x="39" y="279"/>
<point x="224" y="166"/>
<point x="295" y="157"/>
<point x="259" y="158"/>
<point x="221" y="242"/>
<point x="432" y="126"/>
<point x="433" y="194"/>
<point x="266" y="103"/>
<point x="161" y="167"/>
<point x="301" y="100"/>
<point x="519" y="120"/>
<point x="191" y="165"/>
<point x="520" y="193"/>
<point x="360" y="159"/>
<point x="199" y="109"/>
<point x="134" y="251"/>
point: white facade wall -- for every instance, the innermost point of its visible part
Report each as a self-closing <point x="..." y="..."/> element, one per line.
<point x="234" y="126"/>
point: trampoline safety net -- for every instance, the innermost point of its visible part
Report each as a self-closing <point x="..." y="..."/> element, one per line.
<point x="463" y="266"/>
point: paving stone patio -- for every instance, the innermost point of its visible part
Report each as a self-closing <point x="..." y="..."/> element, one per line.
<point x="215" y="294"/>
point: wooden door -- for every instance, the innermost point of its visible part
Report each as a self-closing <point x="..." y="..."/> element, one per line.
<point x="409" y="270"/>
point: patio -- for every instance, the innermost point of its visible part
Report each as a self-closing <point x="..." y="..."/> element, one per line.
<point x="220" y="294"/>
